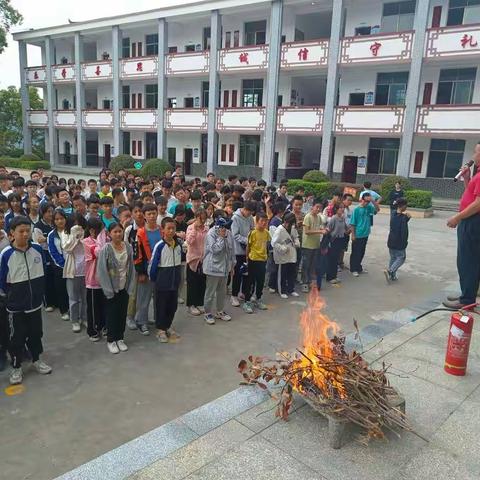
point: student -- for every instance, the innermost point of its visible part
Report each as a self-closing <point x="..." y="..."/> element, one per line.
<point x="106" y="204"/>
<point x="336" y="200"/>
<point x="397" y="240"/>
<point x="242" y="224"/>
<point x="257" y="255"/>
<point x="218" y="261"/>
<point x="93" y="206"/>
<point x="375" y="198"/>
<point x="337" y="230"/>
<point x="95" y="298"/>
<point x="278" y="210"/>
<point x="56" y="252"/>
<point x="33" y="205"/>
<point x="164" y="272"/>
<point x="124" y="215"/>
<point x="15" y="209"/>
<point x="22" y="283"/>
<point x="115" y="272"/>
<point x="180" y="217"/>
<point x="63" y="200"/>
<point x="105" y="189"/>
<point x="92" y="189"/>
<point x="347" y="201"/>
<point x="79" y="205"/>
<point x="285" y="243"/>
<point x="196" y="280"/>
<point x="395" y="195"/>
<point x="147" y="236"/>
<point x="74" y="269"/>
<point x="360" y="230"/>
<point x="162" y="204"/>
<point x="118" y="200"/>
<point x="4" y="326"/>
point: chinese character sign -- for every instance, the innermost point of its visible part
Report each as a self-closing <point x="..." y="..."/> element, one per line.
<point x="374" y="48"/>
<point x="243" y="57"/>
<point x="64" y="73"/>
<point x="35" y="75"/>
<point x="303" y="54"/>
<point x="468" y="41"/>
<point x="98" y="71"/>
<point x="140" y="67"/>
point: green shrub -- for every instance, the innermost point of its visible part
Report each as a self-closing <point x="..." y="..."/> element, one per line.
<point x="121" y="162"/>
<point x="30" y="157"/>
<point x="154" y="166"/>
<point x="389" y="184"/>
<point x="315" y="176"/>
<point x="419" y="198"/>
<point x="324" y="189"/>
<point x="24" y="164"/>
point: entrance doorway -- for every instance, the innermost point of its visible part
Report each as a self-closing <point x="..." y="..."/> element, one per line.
<point x="349" y="172"/>
<point x="107" y="154"/>
<point x="187" y="160"/>
<point x="151" y="140"/>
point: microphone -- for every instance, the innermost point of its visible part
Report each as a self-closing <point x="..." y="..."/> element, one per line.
<point x="463" y="170"/>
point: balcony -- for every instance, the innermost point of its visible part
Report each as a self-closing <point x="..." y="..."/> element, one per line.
<point x="193" y="119"/>
<point x="99" y="119"/>
<point x="300" y="120"/>
<point x="304" y="54"/>
<point x="65" y="118"/>
<point x="95" y="71"/>
<point x="453" y="42"/>
<point x="243" y="59"/>
<point x="448" y="120"/>
<point x="377" y="120"/>
<point x="63" y="73"/>
<point x="384" y="48"/>
<point x="37" y="118"/>
<point x="241" y="119"/>
<point x="188" y="63"/>
<point x="139" y="67"/>
<point x="36" y="75"/>
<point x="139" y="119"/>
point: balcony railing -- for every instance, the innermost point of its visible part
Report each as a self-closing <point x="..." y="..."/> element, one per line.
<point x="453" y="42"/>
<point x="304" y="54"/>
<point x="300" y="120"/>
<point x="139" y="119"/>
<point x="243" y="59"/>
<point x="139" y="67"/>
<point x="186" y="119"/>
<point x="188" y="63"/>
<point x="448" y="120"/>
<point x="65" y="118"/>
<point x="99" y="119"/>
<point x="362" y="120"/>
<point x="37" y="118"/>
<point x="63" y="73"/>
<point x="241" y="119"/>
<point x="100" y="70"/>
<point x="35" y="75"/>
<point x="383" y="48"/>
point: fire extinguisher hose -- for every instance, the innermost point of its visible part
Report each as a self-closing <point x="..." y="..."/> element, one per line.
<point x="443" y="309"/>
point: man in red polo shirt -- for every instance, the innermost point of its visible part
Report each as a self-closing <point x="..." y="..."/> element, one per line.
<point x="468" y="233"/>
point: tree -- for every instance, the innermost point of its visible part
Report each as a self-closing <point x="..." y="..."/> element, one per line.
<point x="8" y="17"/>
<point x="11" y="134"/>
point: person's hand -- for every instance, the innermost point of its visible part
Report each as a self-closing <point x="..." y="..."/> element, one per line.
<point x="353" y="237"/>
<point x="222" y="232"/>
<point x="452" y="222"/>
<point x="142" y="278"/>
<point x="466" y="175"/>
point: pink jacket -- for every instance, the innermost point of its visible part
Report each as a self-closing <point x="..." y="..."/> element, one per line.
<point x="92" y="249"/>
<point x="195" y="239"/>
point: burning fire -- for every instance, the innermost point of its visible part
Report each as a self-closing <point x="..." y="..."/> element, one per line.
<point x="317" y="370"/>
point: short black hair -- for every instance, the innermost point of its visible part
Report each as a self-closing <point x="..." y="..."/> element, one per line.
<point x="116" y="191"/>
<point x="78" y="197"/>
<point x="17" y="221"/>
<point x="401" y="202"/>
<point x="122" y="208"/>
<point x="106" y="200"/>
<point x="19" y="182"/>
<point x="367" y="184"/>
<point x="148" y="207"/>
<point x="167" y="220"/>
<point x="161" y="200"/>
<point x="251" y="206"/>
<point x="196" y="195"/>
<point x="93" y="199"/>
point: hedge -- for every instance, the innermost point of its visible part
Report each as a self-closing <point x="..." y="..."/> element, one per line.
<point x="315" y="176"/>
<point x="419" y="198"/>
<point x="30" y="157"/>
<point x="389" y="184"/>
<point x="323" y="189"/>
<point x="24" y="164"/>
<point x="121" y="162"/>
<point x="154" y="166"/>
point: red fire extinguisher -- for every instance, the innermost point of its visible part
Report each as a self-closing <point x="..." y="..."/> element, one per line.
<point x="459" y="337"/>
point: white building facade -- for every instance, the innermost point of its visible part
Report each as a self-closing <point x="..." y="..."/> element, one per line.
<point x="359" y="89"/>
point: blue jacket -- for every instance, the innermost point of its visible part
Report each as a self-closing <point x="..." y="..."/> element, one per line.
<point x="55" y="249"/>
<point x="22" y="278"/>
<point x="165" y="266"/>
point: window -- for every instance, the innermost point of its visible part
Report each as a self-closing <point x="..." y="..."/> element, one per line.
<point x="205" y="86"/>
<point x="249" y="150"/>
<point x="134" y="148"/>
<point x="228" y="39"/>
<point x="418" y="164"/>
<point x="139" y="100"/>
<point x="231" y="153"/>
<point x="172" y="102"/>
<point x="134" y="49"/>
<point x="172" y="49"/>
<point x="255" y="33"/>
<point x="252" y="91"/>
<point x="356" y="99"/>
<point x="391" y="88"/>
<point x="383" y="155"/>
<point x="223" y="153"/>
<point x="172" y="156"/>
<point x="126" y="143"/>
<point x="139" y="49"/>
<point x="226" y="98"/>
<point x="398" y="16"/>
<point x="151" y="96"/>
<point x="106" y="104"/>
<point x="445" y="158"/>
<point x="125" y="47"/>
<point x="151" y="44"/>
<point x="236" y="38"/>
<point x="139" y="148"/>
<point x="362" y="31"/>
<point x="463" y="12"/>
<point x="190" y="48"/>
<point x="188" y="102"/>
<point x="134" y="100"/>
<point x="126" y="96"/>
<point x="455" y="86"/>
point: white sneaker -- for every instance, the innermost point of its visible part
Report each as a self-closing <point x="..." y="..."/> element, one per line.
<point x="283" y="295"/>
<point x="272" y="290"/>
<point x="209" y="320"/>
<point x="66" y="317"/>
<point x="113" y="347"/>
<point x="201" y="309"/>
<point x="16" y="376"/>
<point x="364" y="271"/>
<point x="295" y="294"/>
<point x="181" y="301"/>
<point x="49" y="309"/>
<point x="223" y="316"/>
<point x="76" y="327"/>
<point x="355" y="274"/>
<point x="122" y="346"/>
<point x="194" y="311"/>
<point x="235" y="301"/>
<point x="42" y="367"/>
<point x="131" y="324"/>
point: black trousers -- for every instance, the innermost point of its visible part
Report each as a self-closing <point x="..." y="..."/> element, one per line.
<point x="272" y="269"/>
<point x="116" y="315"/>
<point x="255" y="279"/>
<point x="358" y="252"/>
<point x="238" y="279"/>
<point x="286" y="277"/>
<point x="468" y="258"/>
<point x="166" y="302"/>
<point x="95" y="311"/>
<point x="50" y="290"/>
<point x="60" y="290"/>
<point x="25" y="328"/>
<point x="336" y="247"/>
<point x="196" y="284"/>
<point x="4" y="330"/>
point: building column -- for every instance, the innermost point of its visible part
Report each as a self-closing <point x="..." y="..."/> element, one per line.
<point x="213" y="91"/>
<point x="116" y="39"/>
<point x="52" y="133"/>
<point x="414" y="80"/>
<point x="27" y="134"/>
<point x="275" y="46"/>
<point x="162" y="89"/>
<point x="332" y="87"/>
<point x="80" y="102"/>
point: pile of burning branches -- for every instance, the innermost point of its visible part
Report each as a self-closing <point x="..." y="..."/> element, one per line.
<point x="332" y="380"/>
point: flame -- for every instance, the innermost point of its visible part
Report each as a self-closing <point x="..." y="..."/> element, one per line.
<point x="315" y="364"/>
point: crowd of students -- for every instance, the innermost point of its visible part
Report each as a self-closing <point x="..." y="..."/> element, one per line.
<point x="100" y="251"/>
